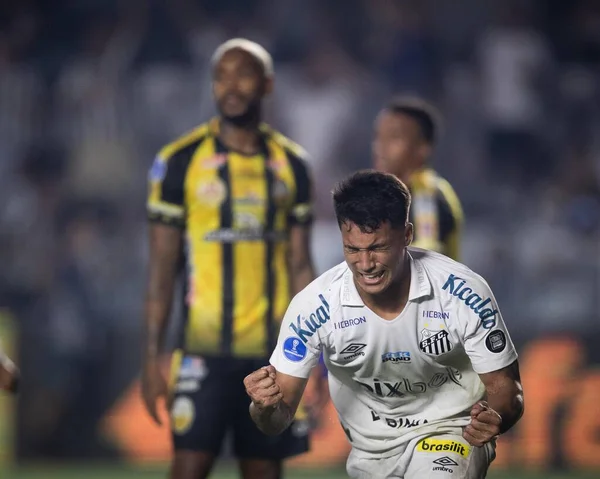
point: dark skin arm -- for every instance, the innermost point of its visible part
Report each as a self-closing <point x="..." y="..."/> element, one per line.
<point x="275" y="399"/>
<point x="503" y="408"/>
<point x="302" y="271"/>
<point x="165" y="251"/>
<point x="9" y="374"/>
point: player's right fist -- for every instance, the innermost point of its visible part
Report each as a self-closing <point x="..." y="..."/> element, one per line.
<point x="262" y="387"/>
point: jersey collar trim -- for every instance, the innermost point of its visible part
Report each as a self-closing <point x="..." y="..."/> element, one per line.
<point x="420" y="286"/>
<point x="348" y="294"/>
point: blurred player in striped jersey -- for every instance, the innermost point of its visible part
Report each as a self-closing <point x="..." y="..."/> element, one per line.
<point x="406" y="131"/>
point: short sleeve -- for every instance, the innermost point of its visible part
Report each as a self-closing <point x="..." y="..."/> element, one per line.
<point x="299" y="344"/>
<point x="166" y="191"/>
<point x="302" y="208"/>
<point x="485" y="337"/>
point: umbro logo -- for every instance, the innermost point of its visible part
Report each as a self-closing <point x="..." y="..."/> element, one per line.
<point x="445" y="461"/>
<point x="353" y="350"/>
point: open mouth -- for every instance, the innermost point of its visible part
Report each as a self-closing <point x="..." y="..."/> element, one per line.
<point x="373" y="278"/>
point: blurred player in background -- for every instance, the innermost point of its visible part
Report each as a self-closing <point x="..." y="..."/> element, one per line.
<point x="9" y="373"/>
<point x="406" y="132"/>
<point x="232" y="199"/>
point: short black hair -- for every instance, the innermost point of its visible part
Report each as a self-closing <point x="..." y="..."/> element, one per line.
<point x="423" y="113"/>
<point x="370" y="198"/>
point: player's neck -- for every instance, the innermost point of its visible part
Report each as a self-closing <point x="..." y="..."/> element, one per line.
<point x="408" y="175"/>
<point x="243" y="138"/>
<point x="389" y="304"/>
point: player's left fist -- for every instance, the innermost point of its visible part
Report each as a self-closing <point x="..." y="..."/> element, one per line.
<point x="484" y="426"/>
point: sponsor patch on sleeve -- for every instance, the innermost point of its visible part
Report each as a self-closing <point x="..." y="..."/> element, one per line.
<point x="293" y="349"/>
<point x="158" y="171"/>
<point x="495" y="341"/>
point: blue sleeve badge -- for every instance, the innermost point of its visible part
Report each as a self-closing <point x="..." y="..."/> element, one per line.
<point x="158" y="170"/>
<point x="294" y="349"/>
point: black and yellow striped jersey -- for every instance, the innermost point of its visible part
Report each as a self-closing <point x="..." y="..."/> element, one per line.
<point x="236" y="211"/>
<point x="436" y="213"/>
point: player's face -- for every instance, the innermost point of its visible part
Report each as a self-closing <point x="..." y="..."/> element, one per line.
<point x="377" y="258"/>
<point x="398" y="147"/>
<point x="239" y="85"/>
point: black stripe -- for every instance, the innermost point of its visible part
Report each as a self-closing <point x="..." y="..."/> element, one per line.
<point x="172" y="189"/>
<point x="173" y="192"/>
<point x="226" y="221"/>
<point x="269" y="246"/>
<point x="446" y="219"/>
<point x="303" y="183"/>
<point x="185" y="274"/>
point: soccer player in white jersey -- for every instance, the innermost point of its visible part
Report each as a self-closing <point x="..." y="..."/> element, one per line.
<point x="422" y="370"/>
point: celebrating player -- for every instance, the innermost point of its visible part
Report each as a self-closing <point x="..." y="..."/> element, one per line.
<point x="234" y="197"/>
<point x="406" y="131"/>
<point x="422" y="370"/>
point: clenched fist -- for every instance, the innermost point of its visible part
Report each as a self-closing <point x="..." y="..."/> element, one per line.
<point x="262" y="388"/>
<point x="484" y="426"/>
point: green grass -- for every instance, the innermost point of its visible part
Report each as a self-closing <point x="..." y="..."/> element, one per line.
<point x="104" y="472"/>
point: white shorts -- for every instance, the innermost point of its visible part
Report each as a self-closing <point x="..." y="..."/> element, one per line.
<point x="444" y="456"/>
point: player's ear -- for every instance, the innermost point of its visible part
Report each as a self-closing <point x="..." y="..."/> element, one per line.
<point x="408" y="234"/>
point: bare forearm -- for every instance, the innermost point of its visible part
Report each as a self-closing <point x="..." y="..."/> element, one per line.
<point x="165" y="248"/>
<point x="272" y="421"/>
<point x="9" y="374"/>
<point x="509" y="403"/>
<point x="302" y="276"/>
<point x="157" y="314"/>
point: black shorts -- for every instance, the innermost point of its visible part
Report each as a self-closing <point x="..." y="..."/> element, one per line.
<point x="210" y="401"/>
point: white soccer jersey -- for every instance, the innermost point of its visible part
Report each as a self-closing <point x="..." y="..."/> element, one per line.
<point x="393" y="380"/>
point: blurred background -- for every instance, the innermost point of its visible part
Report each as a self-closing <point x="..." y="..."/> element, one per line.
<point x="90" y="89"/>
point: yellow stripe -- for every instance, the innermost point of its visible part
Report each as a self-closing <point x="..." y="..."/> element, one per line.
<point x="280" y="254"/>
<point x="166" y="209"/>
<point x="202" y="199"/>
<point x="176" y="360"/>
<point x="284" y="143"/>
<point x="247" y="179"/>
<point x="426" y="219"/>
<point x="186" y="139"/>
